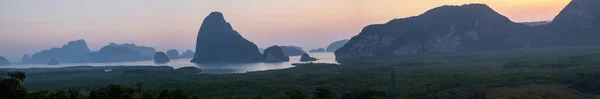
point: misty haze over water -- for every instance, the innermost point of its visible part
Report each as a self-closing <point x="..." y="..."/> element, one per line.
<point x="206" y="68"/>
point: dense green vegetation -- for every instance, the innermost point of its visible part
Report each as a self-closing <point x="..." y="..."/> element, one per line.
<point x="554" y="73"/>
<point x="10" y="87"/>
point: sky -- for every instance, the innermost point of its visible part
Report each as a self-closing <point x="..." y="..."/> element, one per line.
<point x="29" y="26"/>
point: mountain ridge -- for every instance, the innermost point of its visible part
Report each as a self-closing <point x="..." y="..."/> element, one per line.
<point x="469" y="27"/>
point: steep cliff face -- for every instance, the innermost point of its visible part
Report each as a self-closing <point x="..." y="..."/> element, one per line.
<point x="218" y="42"/>
<point x="472" y="27"/>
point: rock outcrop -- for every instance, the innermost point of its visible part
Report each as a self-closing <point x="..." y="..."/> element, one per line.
<point x="318" y="50"/>
<point x="25" y="59"/>
<point x="337" y="45"/>
<point x="292" y="50"/>
<point x="173" y="54"/>
<point x="144" y="50"/>
<point x="275" y="54"/>
<point x="73" y="51"/>
<point x="53" y="62"/>
<point x="116" y="53"/>
<point x="218" y="42"/>
<point x="472" y="27"/>
<point x="161" y="58"/>
<point x="187" y="54"/>
<point x="305" y="57"/>
<point x="4" y="61"/>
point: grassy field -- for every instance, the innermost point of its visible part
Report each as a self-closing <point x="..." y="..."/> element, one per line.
<point x="560" y="73"/>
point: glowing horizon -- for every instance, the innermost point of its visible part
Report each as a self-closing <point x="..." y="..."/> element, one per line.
<point x="33" y="25"/>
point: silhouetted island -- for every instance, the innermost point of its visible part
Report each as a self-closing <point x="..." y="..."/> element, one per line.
<point x="161" y="58"/>
<point x="187" y="54"/>
<point x="292" y="50"/>
<point x="318" y="50"/>
<point x="173" y="54"/>
<point x="73" y="51"/>
<point x="4" y="61"/>
<point x="144" y="50"/>
<point x="336" y="45"/>
<point x="116" y="53"/>
<point x="218" y="42"/>
<point x="275" y="54"/>
<point x="25" y="59"/>
<point x="305" y="57"/>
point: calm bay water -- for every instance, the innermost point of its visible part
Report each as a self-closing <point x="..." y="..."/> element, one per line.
<point x="206" y="68"/>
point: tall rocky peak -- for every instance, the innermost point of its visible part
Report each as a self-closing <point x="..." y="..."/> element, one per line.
<point x="215" y="23"/>
<point x="218" y="42"/>
<point x="472" y="27"/>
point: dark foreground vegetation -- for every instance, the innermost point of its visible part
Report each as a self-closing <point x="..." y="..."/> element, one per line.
<point x="551" y="73"/>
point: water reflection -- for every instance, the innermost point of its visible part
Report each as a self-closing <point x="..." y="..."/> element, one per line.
<point x="206" y="68"/>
